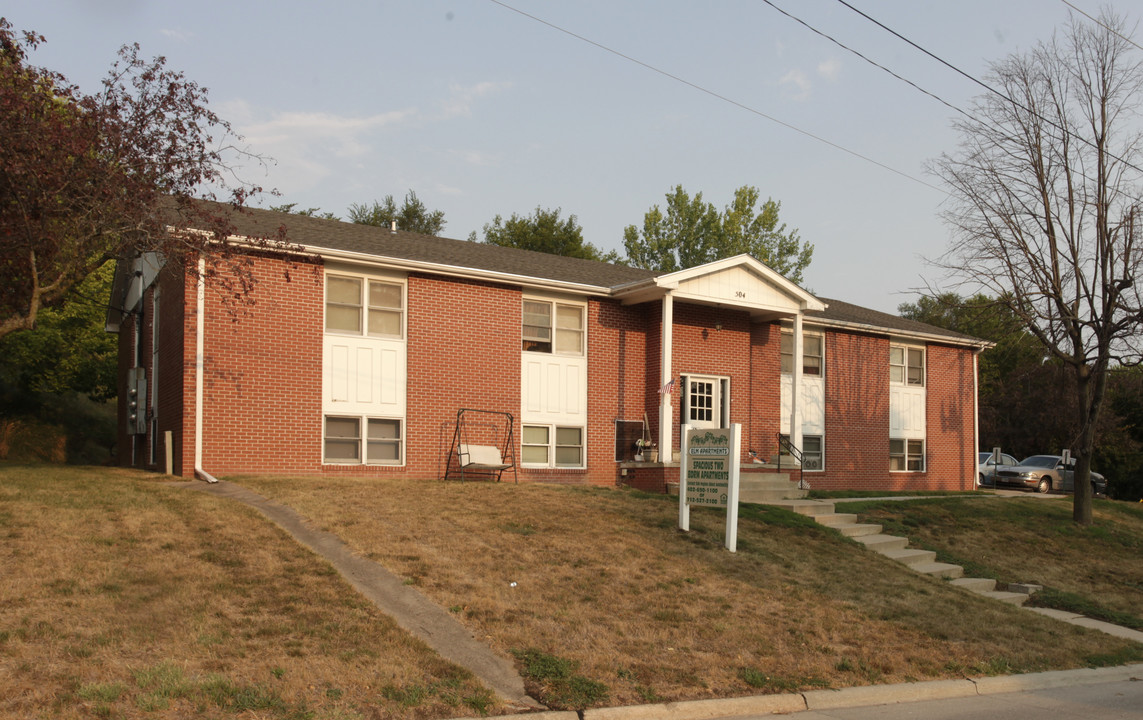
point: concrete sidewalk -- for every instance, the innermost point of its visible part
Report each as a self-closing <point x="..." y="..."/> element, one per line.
<point x="821" y="700"/>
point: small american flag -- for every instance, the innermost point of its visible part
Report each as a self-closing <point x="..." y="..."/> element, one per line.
<point x="666" y="389"/>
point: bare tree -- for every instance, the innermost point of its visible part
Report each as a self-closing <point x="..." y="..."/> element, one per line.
<point x="1045" y="203"/>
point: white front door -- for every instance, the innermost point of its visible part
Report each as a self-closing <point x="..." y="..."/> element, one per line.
<point x="704" y="402"/>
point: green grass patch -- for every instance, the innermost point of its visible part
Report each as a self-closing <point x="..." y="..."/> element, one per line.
<point x="555" y="684"/>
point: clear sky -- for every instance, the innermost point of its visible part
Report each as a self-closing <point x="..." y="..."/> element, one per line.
<point x="483" y="110"/>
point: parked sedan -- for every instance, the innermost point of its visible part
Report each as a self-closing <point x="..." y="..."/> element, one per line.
<point x="1046" y="473"/>
<point x="987" y="466"/>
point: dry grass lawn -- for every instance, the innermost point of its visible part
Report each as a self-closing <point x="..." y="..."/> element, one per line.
<point x="603" y="579"/>
<point x="127" y="597"/>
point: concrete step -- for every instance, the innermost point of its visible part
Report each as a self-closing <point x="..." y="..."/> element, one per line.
<point x="809" y="508"/>
<point x="1012" y="598"/>
<point x="910" y="556"/>
<point x="941" y="570"/>
<point x="881" y="543"/>
<point x="769" y="496"/>
<point x="976" y="585"/>
<point x="835" y="519"/>
<point x="855" y="530"/>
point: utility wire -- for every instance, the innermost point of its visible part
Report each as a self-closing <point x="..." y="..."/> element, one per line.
<point x="1099" y="22"/>
<point x="718" y="96"/>
<point x="845" y="47"/>
<point x="1065" y="132"/>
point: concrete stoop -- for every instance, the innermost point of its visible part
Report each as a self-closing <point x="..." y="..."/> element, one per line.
<point x="897" y="548"/>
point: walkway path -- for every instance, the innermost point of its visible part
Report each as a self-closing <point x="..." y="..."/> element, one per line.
<point x="408" y="607"/>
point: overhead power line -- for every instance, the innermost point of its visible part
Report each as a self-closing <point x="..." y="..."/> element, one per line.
<point x="723" y="98"/>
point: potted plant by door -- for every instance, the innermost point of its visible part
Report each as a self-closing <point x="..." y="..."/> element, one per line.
<point x="645" y="451"/>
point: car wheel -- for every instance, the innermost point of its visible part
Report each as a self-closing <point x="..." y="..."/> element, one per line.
<point x="980" y="480"/>
<point x="1045" y="485"/>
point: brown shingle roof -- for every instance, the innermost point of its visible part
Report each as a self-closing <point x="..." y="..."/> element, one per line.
<point x="317" y="234"/>
<point x="839" y="311"/>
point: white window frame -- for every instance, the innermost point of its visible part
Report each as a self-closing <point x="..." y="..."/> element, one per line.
<point x="786" y="357"/>
<point x="363" y="306"/>
<point x="362" y="441"/>
<point x="908" y="454"/>
<point x="904" y="365"/>
<point x="554" y="328"/>
<point x="553" y="446"/>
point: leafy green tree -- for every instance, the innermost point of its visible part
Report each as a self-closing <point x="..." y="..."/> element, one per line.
<point x="412" y="216"/>
<point x="69" y="350"/>
<point x="693" y="232"/>
<point x="306" y="212"/>
<point x="544" y="232"/>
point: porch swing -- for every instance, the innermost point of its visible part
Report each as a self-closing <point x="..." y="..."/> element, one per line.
<point x="482" y="445"/>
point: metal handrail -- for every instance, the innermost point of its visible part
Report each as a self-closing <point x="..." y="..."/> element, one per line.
<point x="796" y="453"/>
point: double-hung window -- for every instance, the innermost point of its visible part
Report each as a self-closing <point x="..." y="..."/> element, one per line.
<point x="379" y="445"/>
<point x="906" y="365"/>
<point x="552" y="327"/>
<point x="811" y="354"/>
<point x="906" y="455"/>
<point x="553" y="446"/>
<point x="360" y="306"/>
<point x="813" y="452"/>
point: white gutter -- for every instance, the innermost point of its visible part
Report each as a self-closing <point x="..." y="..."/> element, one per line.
<point x="200" y="328"/>
<point x="385" y="261"/>
<point x="894" y="332"/>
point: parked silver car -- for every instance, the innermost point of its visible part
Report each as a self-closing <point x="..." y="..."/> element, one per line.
<point x="987" y="466"/>
<point x="1046" y="473"/>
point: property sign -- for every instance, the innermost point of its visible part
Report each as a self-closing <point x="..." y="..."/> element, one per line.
<point x="708" y="467"/>
<point x="709" y="475"/>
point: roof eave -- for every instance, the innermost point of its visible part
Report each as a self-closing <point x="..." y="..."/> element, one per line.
<point x="457" y="271"/>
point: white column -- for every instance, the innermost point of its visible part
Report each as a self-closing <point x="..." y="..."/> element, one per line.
<point x="796" y="389"/>
<point x="666" y="414"/>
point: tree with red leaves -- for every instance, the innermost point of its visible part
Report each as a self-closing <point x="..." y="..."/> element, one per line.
<point x="86" y="179"/>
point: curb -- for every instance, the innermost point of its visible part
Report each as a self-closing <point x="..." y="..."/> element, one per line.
<point x="864" y="696"/>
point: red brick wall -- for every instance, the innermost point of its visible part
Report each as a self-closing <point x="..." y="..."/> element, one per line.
<point x="263" y="408"/>
<point x="261" y="376"/>
<point x="616" y="381"/>
<point x="700" y="347"/>
<point x="856" y="413"/>
<point x="950" y="418"/>
<point x="463" y="352"/>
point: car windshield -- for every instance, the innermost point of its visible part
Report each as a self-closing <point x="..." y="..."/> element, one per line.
<point x="1040" y="461"/>
<point x="984" y="457"/>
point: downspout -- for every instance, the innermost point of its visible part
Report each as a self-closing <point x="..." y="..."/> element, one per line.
<point x="975" y="413"/>
<point x="666" y="373"/>
<point x="200" y="329"/>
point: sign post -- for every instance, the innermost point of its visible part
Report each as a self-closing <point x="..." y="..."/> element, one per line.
<point x="709" y="475"/>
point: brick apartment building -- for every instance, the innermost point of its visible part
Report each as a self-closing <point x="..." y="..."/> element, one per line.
<point x="357" y="360"/>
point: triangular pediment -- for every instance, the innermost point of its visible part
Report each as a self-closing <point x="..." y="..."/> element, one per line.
<point x="740" y="281"/>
